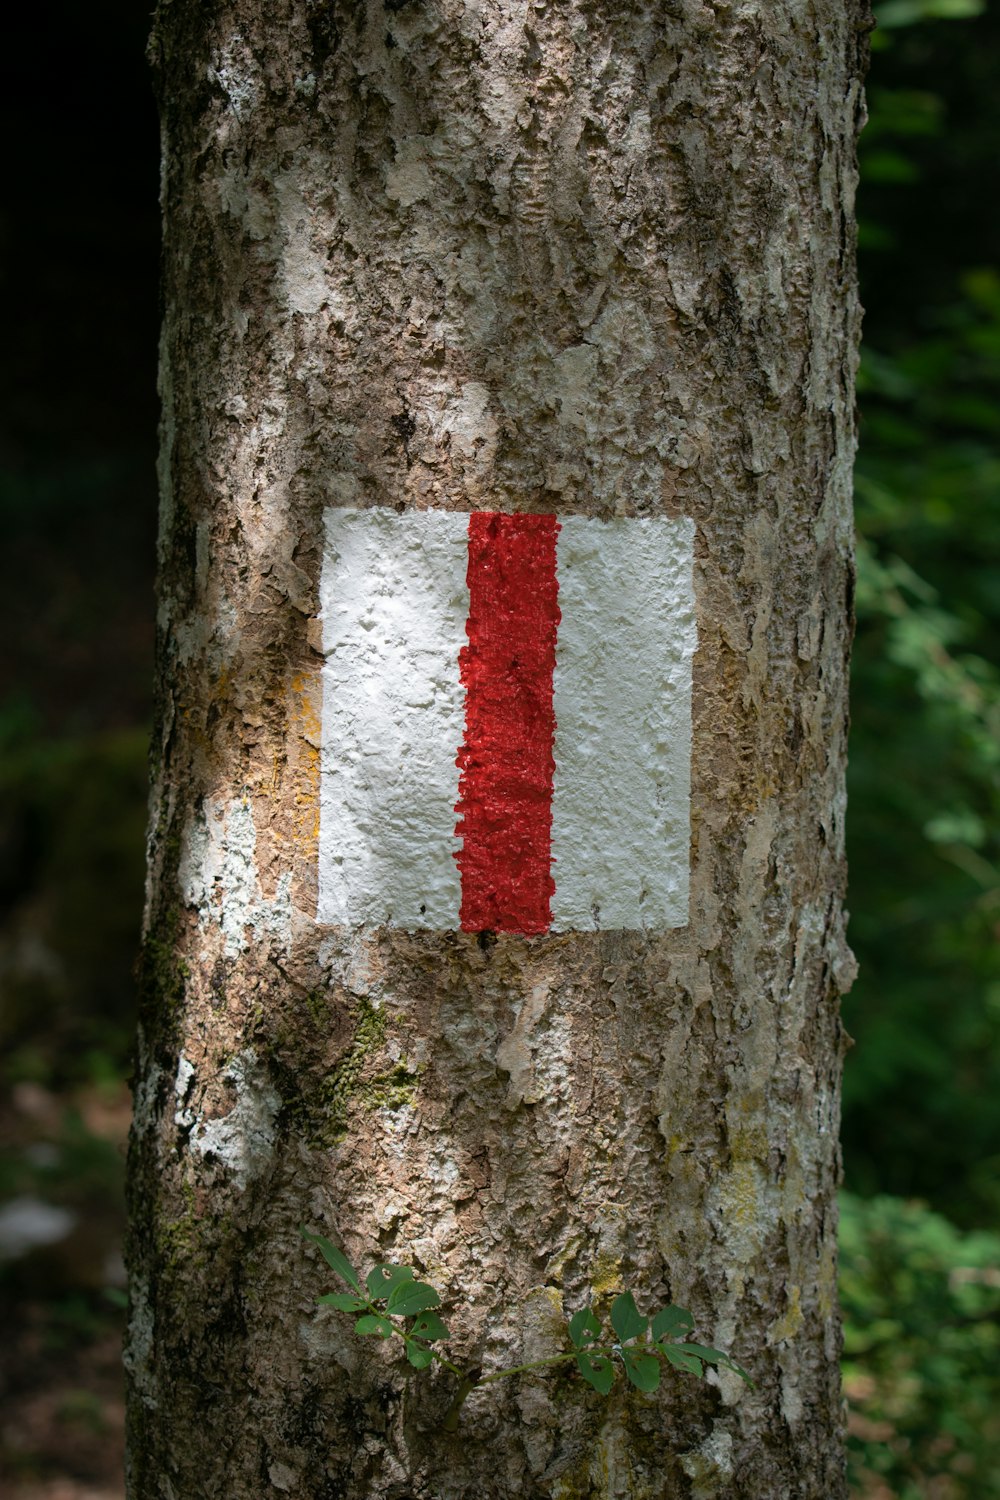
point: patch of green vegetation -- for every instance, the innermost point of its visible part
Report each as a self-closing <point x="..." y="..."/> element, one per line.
<point x="921" y="1294"/>
<point x="162" y="975"/>
<point x="77" y="1317"/>
<point x="316" y="1005"/>
<point x="921" y="1306"/>
<point x="391" y="1090"/>
<point x="75" y="1168"/>
<point x="84" y="1409"/>
<point x="326" y="1110"/>
<point x="924" y="772"/>
<point x="178" y="1241"/>
<point x="74" y="817"/>
<point x="394" y="1303"/>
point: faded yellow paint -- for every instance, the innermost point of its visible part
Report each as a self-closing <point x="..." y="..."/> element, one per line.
<point x="788" y="1325"/>
<point x="674" y="1144"/>
<point x="827" y="1280"/>
<point x="741" y="1193"/>
<point x="550" y="1296"/>
<point x="749" y="1143"/>
<point x="556" y="1268"/>
<point x="306" y="741"/>
<point x="606" y="1274"/>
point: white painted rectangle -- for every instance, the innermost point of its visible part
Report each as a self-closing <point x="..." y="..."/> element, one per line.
<point x="621" y="820"/>
<point x="394" y="603"/>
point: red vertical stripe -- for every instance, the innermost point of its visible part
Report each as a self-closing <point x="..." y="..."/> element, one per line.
<point x="506" y="764"/>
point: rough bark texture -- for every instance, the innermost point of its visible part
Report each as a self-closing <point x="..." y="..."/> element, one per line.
<point x="551" y="256"/>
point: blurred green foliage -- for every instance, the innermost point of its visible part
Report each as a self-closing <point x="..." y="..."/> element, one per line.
<point x="73" y="814"/>
<point x="922" y="1088"/>
<point x="921" y="1303"/>
<point x="921" y="1295"/>
<point x="922" y="1091"/>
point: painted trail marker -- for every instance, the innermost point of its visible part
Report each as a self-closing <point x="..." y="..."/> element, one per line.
<point x="506" y="735"/>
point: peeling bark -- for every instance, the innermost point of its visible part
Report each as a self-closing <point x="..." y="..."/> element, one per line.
<point x="538" y="257"/>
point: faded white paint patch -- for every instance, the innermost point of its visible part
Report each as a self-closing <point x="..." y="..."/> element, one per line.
<point x="303" y="265"/>
<point x="353" y="961"/>
<point x="575" y="384"/>
<point x="217" y="874"/>
<point x="236" y="72"/>
<point x="138" y="1353"/>
<point x="710" y="1466"/>
<point x="463" y="417"/>
<point x="515" y="1054"/>
<point x="282" y="1477"/>
<point x="183" y="1084"/>
<point x="394" y="604"/>
<point x="144" y="1103"/>
<point x="409" y="179"/>
<point x="621" y="823"/>
<point x="242" y="1140"/>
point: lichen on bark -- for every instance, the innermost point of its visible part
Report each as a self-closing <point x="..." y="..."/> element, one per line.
<point x="548" y="257"/>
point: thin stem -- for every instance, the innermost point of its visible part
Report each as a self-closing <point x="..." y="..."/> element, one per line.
<point x="402" y="1334"/>
<point x="468" y="1383"/>
<point x="447" y="1364"/>
<point x="473" y="1378"/>
<point x="537" y="1364"/>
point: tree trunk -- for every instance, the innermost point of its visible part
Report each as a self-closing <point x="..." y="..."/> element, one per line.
<point x="545" y="258"/>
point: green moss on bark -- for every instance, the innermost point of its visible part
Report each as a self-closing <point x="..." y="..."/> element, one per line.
<point x="321" y="1113"/>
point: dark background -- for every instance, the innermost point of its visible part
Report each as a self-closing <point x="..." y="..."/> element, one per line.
<point x="921" y="1212"/>
<point x="78" y="280"/>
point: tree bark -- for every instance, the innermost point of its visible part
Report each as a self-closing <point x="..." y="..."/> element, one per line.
<point x="482" y="255"/>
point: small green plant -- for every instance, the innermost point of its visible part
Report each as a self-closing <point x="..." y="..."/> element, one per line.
<point x="392" y="1302"/>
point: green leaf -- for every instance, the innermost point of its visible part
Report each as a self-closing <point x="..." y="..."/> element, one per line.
<point x="429" y="1326"/>
<point x="374" y="1323"/>
<point x="597" y="1370"/>
<point x="710" y="1356"/>
<point x="583" y="1328"/>
<point x="626" y="1319"/>
<point x="714" y="1357"/>
<point x="382" y="1280"/>
<point x="642" y="1369"/>
<point x="681" y="1361"/>
<point x="419" y="1358"/>
<point x="342" y="1301"/>
<point x="670" y="1322"/>
<point x="411" y="1297"/>
<point x="335" y="1258"/>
